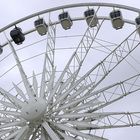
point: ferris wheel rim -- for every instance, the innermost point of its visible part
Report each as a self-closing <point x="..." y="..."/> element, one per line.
<point x="113" y="5"/>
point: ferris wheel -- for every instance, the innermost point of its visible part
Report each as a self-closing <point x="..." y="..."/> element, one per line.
<point x="63" y="68"/>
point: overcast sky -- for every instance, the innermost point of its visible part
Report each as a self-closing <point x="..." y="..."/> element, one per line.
<point x="12" y="10"/>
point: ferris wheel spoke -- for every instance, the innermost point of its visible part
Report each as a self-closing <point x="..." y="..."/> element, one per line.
<point x="118" y="120"/>
<point x="66" y="83"/>
<point x="6" y="131"/>
<point x="107" y="95"/>
<point x="76" y="107"/>
<point x="22" y="133"/>
<point x="118" y="91"/>
<point x="50" y="85"/>
<point x="34" y="133"/>
<point x="6" y="119"/>
<point x="78" y="133"/>
<point x="14" y="123"/>
<point x="35" y="84"/>
<point x="62" y="96"/>
<point x="74" y="104"/>
<point x="66" y="137"/>
<point x="78" y="92"/>
<point x="7" y="104"/>
<point x="43" y="134"/>
<point x="94" y="116"/>
<point x="13" y="113"/>
<point x="50" y="132"/>
<point x="82" y="91"/>
<point x="28" y="88"/>
<point x="20" y="92"/>
<point x="30" y="132"/>
<point x="12" y="135"/>
<point x="82" y="125"/>
<point x="14" y="100"/>
<point x="43" y="79"/>
<point x="105" y="120"/>
<point x="50" y="48"/>
<point x="114" y="120"/>
<point x="51" y="81"/>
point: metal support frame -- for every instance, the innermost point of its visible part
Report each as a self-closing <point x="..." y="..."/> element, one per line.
<point x="75" y="62"/>
<point x="73" y="102"/>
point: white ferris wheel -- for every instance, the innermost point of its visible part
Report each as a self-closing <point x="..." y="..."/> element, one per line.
<point x="62" y="70"/>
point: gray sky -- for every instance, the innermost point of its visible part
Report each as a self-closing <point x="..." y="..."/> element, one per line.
<point x="12" y="10"/>
<point x="15" y="9"/>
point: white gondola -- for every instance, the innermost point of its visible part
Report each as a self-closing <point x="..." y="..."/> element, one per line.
<point x="91" y="18"/>
<point x="41" y="26"/>
<point x="116" y="19"/>
<point x="137" y="22"/>
<point x="65" y="20"/>
<point x="17" y="35"/>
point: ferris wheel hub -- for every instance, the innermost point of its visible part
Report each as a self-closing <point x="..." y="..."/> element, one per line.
<point x="34" y="110"/>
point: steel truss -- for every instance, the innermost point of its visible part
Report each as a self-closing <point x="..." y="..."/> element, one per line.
<point x="69" y="107"/>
